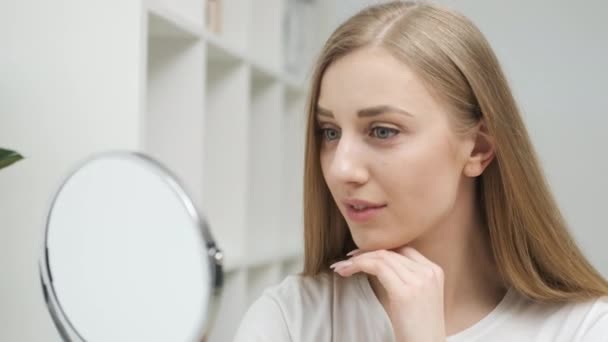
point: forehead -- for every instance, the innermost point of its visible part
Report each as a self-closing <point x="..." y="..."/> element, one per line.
<point x="371" y="77"/>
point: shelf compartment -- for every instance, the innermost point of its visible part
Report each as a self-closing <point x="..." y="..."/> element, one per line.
<point x="167" y="21"/>
<point x="234" y="24"/>
<point x="266" y="33"/>
<point x="226" y="155"/>
<point x="221" y="51"/>
<point x="265" y="166"/>
<point x="293" y="136"/>
<point x="174" y="125"/>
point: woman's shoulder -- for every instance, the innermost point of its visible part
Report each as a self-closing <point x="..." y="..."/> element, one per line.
<point x="298" y="308"/>
<point x="585" y="310"/>
<point x="298" y="282"/>
<point x="305" y="292"/>
<point x="585" y="320"/>
<point x="593" y="318"/>
<point x="594" y="306"/>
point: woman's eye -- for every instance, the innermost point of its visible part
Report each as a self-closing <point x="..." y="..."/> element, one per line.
<point x="383" y="132"/>
<point x="330" y="134"/>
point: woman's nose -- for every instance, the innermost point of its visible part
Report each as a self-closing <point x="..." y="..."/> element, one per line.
<point x="348" y="165"/>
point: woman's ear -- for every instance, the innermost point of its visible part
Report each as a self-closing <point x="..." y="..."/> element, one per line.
<point x="483" y="152"/>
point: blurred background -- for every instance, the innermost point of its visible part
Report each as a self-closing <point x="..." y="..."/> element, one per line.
<point x="215" y="89"/>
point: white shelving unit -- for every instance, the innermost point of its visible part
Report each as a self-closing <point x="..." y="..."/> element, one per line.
<point x="222" y="114"/>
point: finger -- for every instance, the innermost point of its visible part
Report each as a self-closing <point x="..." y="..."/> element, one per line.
<point x="354" y="252"/>
<point x="414" y="265"/>
<point x="373" y="266"/>
<point x="410" y="271"/>
<point x="413" y="254"/>
<point x="396" y="262"/>
<point x="404" y="260"/>
<point x="416" y="256"/>
<point x="399" y="264"/>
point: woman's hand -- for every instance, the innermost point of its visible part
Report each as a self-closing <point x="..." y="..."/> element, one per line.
<point x="414" y="287"/>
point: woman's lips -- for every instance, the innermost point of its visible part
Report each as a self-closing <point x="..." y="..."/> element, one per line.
<point x="364" y="214"/>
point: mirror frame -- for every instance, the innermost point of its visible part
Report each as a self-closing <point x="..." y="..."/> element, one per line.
<point x="212" y="252"/>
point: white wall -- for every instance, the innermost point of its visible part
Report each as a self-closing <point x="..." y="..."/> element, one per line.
<point x="59" y="102"/>
<point x="554" y="53"/>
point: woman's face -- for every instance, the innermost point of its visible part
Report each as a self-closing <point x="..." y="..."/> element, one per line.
<point x="389" y="155"/>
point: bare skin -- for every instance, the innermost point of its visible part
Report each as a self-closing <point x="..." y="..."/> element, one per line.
<point x="389" y="143"/>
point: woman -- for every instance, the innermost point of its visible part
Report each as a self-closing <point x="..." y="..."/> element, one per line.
<point x="419" y="171"/>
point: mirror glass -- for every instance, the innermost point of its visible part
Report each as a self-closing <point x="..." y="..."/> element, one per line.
<point x="126" y="255"/>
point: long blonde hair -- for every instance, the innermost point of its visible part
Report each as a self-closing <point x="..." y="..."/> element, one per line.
<point x="532" y="247"/>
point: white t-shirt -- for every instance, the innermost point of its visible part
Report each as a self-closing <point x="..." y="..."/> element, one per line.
<point x="332" y="308"/>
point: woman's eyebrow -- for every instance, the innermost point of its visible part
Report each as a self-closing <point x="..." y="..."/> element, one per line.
<point x="377" y="110"/>
<point x="324" y="112"/>
<point x="366" y="112"/>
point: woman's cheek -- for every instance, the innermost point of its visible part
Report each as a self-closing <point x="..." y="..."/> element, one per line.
<point x="424" y="187"/>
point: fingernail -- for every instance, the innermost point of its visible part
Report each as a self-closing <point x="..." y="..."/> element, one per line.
<point x="341" y="264"/>
<point x="353" y="252"/>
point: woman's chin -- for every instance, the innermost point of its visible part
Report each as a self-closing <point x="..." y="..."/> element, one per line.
<point x="372" y="243"/>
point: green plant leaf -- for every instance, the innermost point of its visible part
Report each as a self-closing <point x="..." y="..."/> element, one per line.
<point x="8" y="157"/>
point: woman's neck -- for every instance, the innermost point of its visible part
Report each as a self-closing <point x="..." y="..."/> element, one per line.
<point x="461" y="247"/>
<point x="472" y="288"/>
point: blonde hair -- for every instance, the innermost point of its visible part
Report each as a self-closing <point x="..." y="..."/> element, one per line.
<point x="532" y="247"/>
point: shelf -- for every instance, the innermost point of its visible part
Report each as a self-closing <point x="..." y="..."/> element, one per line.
<point x="226" y="118"/>
<point x="220" y="51"/>
<point x="293" y="140"/>
<point x="266" y="35"/>
<point x="290" y="82"/>
<point x="239" y="262"/>
<point x="226" y="154"/>
<point x="164" y="21"/>
<point x="235" y="22"/>
<point x="173" y="120"/>
<point x="265" y="166"/>
<point x="293" y="85"/>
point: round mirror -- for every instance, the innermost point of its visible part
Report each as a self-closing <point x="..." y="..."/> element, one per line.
<point x="127" y="257"/>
